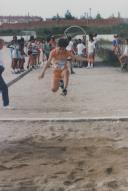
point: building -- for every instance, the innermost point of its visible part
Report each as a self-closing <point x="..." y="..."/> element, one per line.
<point x="19" y="19"/>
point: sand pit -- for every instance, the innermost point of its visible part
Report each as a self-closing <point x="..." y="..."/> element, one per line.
<point x="58" y="156"/>
<point x="90" y="155"/>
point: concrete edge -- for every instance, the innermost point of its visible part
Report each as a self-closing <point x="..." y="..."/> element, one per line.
<point x="75" y="119"/>
<point x="18" y="78"/>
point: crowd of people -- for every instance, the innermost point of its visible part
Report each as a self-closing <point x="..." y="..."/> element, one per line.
<point x="62" y="54"/>
<point x="17" y="53"/>
<point x="36" y="51"/>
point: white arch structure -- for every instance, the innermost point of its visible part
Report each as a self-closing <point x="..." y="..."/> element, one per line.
<point x="74" y="26"/>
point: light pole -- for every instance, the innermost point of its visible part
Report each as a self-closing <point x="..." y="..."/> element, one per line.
<point x="85" y="15"/>
<point x="87" y="18"/>
<point x="90" y="12"/>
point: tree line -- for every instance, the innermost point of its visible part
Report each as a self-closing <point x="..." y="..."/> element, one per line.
<point x="68" y="15"/>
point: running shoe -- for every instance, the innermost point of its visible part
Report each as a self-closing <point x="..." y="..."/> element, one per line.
<point x="64" y="92"/>
<point x="8" y="107"/>
<point x="61" y="84"/>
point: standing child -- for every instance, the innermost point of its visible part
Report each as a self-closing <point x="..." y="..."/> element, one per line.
<point x="91" y="52"/>
<point x="124" y="56"/>
<point x="70" y="48"/>
<point x="116" y="45"/>
<point x="80" y="51"/>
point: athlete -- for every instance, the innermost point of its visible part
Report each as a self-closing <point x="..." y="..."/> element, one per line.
<point x="59" y="58"/>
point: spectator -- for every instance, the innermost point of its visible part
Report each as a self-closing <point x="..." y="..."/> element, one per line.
<point x="3" y="85"/>
<point x="116" y="45"/>
<point x="70" y="49"/>
<point x="91" y="52"/>
<point x="80" y="51"/>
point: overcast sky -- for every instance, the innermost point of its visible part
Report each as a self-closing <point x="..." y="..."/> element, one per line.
<point x="49" y="8"/>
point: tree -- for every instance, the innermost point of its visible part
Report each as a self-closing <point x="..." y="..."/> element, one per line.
<point x="57" y="17"/>
<point x="112" y="16"/>
<point x="84" y="16"/>
<point x="98" y="16"/>
<point x="68" y="15"/>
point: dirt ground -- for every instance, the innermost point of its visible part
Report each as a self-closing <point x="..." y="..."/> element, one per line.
<point x="66" y="156"/>
<point x="98" y="92"/>
<point x="45" y="156"/>
<point x="101" y="91"/>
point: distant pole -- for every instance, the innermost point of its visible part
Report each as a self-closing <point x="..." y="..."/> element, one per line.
<point x="28" y="17"/>
<point x="87" y="18"/>
<point x="85" y="15"/>
<point x="28" y="20"/>
<point x="9" y="19"/>
<point x="90" y="10"/>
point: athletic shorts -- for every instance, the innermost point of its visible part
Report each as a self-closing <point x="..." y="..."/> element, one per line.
<point x="57" y="74"/>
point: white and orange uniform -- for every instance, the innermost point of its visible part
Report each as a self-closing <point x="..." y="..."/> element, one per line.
<point x="59" y="62"/>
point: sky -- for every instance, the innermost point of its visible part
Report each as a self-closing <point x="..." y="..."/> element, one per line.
<point x="50" y="8"/>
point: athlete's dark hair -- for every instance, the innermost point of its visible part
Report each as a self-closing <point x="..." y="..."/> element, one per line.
<point x="63" y="42"/>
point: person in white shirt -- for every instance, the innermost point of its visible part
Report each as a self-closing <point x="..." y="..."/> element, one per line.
<point x="124" y="56"/>
<point x="125" y="52"/>
<point x="80" y="51"/>
<point x="91" y="52"/>
<point x="3" y="85"/>
<point x="70" y="49"/>
<point x="70" y="45"/>
<point x="15" y="54"/>
<point x="96" y="41"/>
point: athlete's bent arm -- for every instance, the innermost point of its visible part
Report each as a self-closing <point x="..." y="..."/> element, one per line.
<point x="45" y="67"/>
<point x="78" y="58"/>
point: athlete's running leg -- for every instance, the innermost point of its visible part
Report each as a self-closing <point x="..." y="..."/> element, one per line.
<point x="65" y="76"/>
